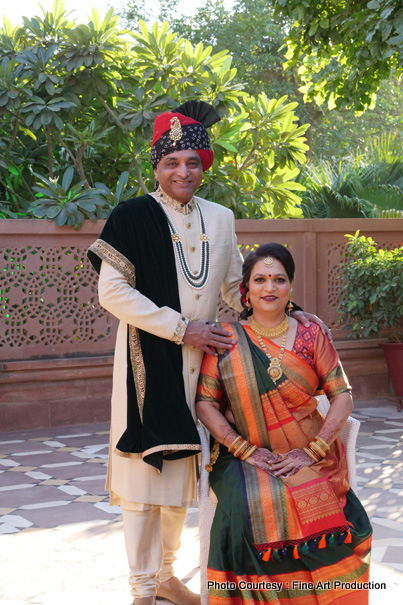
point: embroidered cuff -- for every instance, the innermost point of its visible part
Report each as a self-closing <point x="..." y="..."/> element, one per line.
<point x="180" y="330"/>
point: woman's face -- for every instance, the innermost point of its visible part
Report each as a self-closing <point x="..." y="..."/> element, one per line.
<point x="269" y="288"/>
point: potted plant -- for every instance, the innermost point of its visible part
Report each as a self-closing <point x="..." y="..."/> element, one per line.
<point x="371" y="300"/>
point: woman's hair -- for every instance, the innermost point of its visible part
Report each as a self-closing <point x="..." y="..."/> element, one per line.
<point x="281" y="253"/>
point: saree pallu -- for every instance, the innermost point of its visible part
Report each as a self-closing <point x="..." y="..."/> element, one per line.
<point x="303" y="539"/>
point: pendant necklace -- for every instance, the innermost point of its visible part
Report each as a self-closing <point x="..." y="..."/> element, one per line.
<point x="274" y="370"/>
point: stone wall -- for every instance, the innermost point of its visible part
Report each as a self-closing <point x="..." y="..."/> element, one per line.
<point x="56" y="342"/>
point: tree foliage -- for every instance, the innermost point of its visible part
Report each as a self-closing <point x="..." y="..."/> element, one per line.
<point x="254" y="35"/>
<point x="85" y="97"/>
<point x="343" y="50"/>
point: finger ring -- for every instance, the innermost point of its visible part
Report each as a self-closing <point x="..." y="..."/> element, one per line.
<point x="291" y="465"/>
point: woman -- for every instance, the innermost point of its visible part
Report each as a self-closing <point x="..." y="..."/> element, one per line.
<point x="287" y="528"/>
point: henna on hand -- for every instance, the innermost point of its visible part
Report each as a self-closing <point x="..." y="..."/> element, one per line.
<point x="227" y="434"/>
<point x="261" y="458"/>
<point x="331" y="430"/>
<point x="291" y="463"/>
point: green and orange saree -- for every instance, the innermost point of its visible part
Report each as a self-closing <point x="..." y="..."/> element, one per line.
<point x="303" y="539"/>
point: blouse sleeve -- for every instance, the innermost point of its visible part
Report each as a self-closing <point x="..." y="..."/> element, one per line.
<point x="332" y="379"/>
<point x="209" y="387"/>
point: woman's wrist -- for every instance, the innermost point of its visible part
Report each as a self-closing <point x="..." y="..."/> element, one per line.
<point x="241" y="448"/>
<point x="317" y="449"/>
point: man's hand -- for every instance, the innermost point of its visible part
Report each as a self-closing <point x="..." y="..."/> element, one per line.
<point x="306" y="318"/>
<point x="205" y="335"/>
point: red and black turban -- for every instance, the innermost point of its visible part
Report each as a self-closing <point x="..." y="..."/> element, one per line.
<point x="184" y="128"/>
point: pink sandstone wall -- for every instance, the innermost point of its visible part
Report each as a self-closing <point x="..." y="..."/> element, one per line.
<point x="56" y="342"/>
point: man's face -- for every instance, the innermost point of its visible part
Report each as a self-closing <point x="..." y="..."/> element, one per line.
<point x="180" y="174"/>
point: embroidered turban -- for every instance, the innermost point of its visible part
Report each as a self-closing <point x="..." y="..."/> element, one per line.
<point x="184" y="128"/>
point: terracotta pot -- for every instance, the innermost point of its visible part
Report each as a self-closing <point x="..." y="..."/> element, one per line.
<point x="393" y="352"/>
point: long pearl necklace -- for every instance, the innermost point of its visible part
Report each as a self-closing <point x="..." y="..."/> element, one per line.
<point x="198" y="279"/>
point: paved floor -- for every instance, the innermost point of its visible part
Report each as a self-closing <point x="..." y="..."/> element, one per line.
<point x="62" y="543"/>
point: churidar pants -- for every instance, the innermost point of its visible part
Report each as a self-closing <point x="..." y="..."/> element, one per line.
<point x="152" y="537"/>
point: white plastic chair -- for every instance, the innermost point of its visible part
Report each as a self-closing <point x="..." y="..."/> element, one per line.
<point x="207" y="503"/>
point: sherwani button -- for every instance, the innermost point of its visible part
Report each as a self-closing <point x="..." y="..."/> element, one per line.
<point x="192" y="249"/>
<point x="191" y="370"/>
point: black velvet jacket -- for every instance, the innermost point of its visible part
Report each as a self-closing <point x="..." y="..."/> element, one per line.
<point x="136" y="241"/>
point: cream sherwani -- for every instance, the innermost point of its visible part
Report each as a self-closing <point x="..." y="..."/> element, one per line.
<point x="129" y="478"/>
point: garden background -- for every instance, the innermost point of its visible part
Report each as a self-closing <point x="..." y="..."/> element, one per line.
<point x="309" y="148"/>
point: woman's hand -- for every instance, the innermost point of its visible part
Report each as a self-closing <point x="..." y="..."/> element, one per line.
<point x="290" y="463"/>
<point x="262" y="458"/>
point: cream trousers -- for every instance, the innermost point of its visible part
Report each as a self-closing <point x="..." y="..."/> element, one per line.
<point x="152" y="537"/>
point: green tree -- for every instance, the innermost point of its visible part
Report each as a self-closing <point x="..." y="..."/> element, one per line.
<point x="254" y="36"/>
<point x="343" y="50"/>
<point x="249" y="31"/>
<point x="339" y="133"/>
<point x="85" y="96"/>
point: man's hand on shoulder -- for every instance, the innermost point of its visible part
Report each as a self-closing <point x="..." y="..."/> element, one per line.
<point x="204" y="336"/>
<point x="306" y="318"/>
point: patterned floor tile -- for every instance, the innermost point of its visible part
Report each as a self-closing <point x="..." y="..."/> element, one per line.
<point x="76" y="498"/>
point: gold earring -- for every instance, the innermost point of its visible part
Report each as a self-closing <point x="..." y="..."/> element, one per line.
<point x="248" y="303"/>
<point x="290" y="306"/>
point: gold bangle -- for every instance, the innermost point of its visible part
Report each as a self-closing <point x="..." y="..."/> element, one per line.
<point x="314" y="455"/>
<point x="249" y="452"/>
<point x="318" y="449"/>
<point x="233" y="443"/>
<point x="325" y="445"/>
<point x="241" y="449"/>
<point x="309" y="453"/>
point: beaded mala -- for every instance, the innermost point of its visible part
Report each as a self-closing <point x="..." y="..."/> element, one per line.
<point x="196" y="280"/>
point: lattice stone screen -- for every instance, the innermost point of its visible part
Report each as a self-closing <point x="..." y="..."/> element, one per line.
<point x="49" y="299"/>
<point x="48" y="290"/>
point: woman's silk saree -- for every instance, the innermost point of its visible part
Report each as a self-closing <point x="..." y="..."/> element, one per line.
<point x="303" y="539"/>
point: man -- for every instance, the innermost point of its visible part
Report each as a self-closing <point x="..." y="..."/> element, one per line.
<point x="163" y="259"/>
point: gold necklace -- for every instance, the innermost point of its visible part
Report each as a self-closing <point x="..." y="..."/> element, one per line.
<point x="271" y="333"/>
<point x="274" y="370"/>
